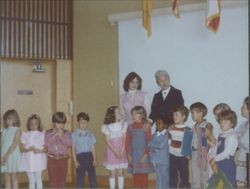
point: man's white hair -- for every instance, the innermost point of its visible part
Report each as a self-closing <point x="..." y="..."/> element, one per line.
<point x="160" y="73"/>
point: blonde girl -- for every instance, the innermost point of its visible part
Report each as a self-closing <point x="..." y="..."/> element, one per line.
<point x="10" y="152"/>
<point x="33" y="159"/>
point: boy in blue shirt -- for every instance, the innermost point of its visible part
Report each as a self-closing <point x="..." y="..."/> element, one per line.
<point x="159" y="152"/>
<point x="83" y="151"/>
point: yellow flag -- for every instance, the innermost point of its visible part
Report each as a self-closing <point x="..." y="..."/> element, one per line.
<point x="146" y="15"/>
<point x="175" y="8"/>
<point x="213" y="15"/>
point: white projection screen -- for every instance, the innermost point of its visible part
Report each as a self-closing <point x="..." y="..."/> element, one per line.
<point x="207" y="67"/>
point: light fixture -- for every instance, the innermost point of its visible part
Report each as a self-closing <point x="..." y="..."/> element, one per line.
<point x="38" y="67"/>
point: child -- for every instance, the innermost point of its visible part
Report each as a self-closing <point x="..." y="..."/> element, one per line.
<point x="33" y="159"/>
<point x="216" y="178"/>
<point x="57" y="142"/>
<point x="137" y="138"/>
<point x="179" y="161"/>
<point x="10" y="151"/>
<point x="159" y="152"/>
<point x="115" y="157"/>
<point x="216" y="111"/>
<point x="219" y="108"/>
<point x="243" y="135"/>
<point x="212" y="147"/>
<point x="227" y="145"/>
<point x="199" y="145"/>
<point x="83" y="150"/>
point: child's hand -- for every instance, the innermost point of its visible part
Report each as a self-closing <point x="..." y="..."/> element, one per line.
<point x="213" y="165"/>
<point x="36" y="150"/>
<point x="147" y="126"/>
<point x="154" y="164"/>
<point x="3" y="161"/>
<point x="143" y="158"/>
<point x="95" y="163"/>
<point x="121" y="153"/>
<point x="130" y="160"/>
<point x="118" y="154"/>
<point x="76" y="163"/>
<point x="32" y="148"/>
<point x="188" y="157"/>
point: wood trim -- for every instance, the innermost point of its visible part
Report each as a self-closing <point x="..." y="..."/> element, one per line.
<point x="36" y="29"/>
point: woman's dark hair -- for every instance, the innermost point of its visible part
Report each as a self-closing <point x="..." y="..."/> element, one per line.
<point x="130" y="77"/>
<point x="110" y="115"/>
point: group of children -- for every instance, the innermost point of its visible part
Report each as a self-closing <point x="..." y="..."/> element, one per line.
<point x="167" y="152"/>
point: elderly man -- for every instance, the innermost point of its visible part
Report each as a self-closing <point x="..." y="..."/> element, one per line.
<point x="166" y="99"/>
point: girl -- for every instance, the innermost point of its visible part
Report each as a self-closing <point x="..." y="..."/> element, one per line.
<point x="243" y="135"/>
<point x="137" y="138"/>
<point x="10" y="151"/>
<point x="57" y="142"/>
<point x="115" y="158"/>
<point x="227" y="145"/>
<point x="159" y="152"/>
<point x="33" y="159"/>
<point x="212" y="143"/>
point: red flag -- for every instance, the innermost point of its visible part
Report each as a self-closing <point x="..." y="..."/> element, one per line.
<point x="213" y="15"/>
<point x="146" y="15"/>
<point x="175" y="8"/>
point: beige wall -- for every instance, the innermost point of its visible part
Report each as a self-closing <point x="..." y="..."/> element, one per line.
<point x="95" y="57"/>
<point x="52" y="91"/>
<point x="17" y="75"/>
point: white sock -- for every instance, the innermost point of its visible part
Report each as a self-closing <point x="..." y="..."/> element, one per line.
<point x="121" y="182"/>
<point x="112" y="182"/>
<point x="38" y="177"/>
<point x="31" y="177"/>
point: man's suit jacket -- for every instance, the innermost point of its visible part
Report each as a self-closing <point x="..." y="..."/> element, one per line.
<point x="161" y="107"/>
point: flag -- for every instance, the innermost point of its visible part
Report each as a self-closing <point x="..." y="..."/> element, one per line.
<point x="146" y="15"/>
<point x="175" y="8"/>
<point x="218" y="181"/>
<point x="213" y="15"/>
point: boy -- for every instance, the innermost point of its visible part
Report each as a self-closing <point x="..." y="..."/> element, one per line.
<point x="159" y="152"/>
<point x="199" y="145"/>
<point x="179" y="148"/>
<point x="216" y="111"/>
<point x="227" y="145"/>
<point x="83" y="151"/>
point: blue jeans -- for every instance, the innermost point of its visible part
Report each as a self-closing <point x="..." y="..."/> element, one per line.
<point x="162" y="176"/>
<point x="85" y="160"/>
<point x="228" y="167"/>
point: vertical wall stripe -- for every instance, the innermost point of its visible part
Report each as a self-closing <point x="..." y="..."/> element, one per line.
<point x="36" y="29"/>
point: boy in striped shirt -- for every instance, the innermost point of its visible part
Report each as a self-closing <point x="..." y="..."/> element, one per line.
<point x="179" y="162"/>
